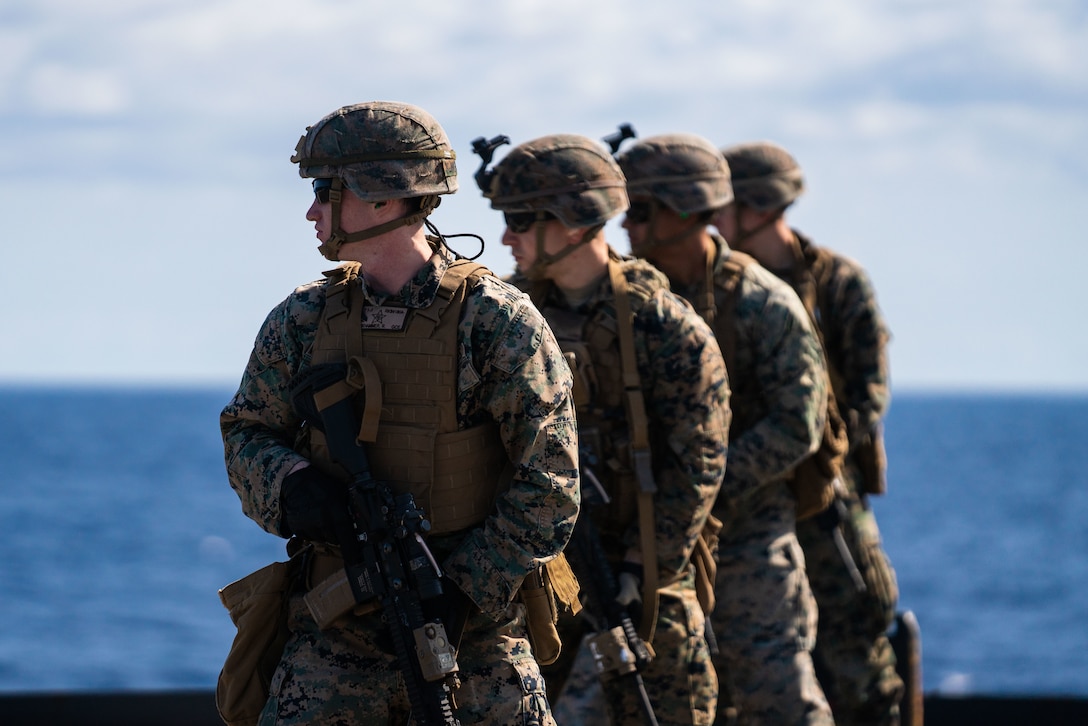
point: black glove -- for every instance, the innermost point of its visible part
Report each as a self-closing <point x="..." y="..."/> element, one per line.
<point x="315" y="506"/>
<point x="458" y="608"/>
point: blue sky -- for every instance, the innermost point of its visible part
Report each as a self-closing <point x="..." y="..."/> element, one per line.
<point x="149" y="217"/>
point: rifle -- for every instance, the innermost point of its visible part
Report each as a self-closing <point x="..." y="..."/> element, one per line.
<point x="385" y="557"/>
<point x="618" y="651"/>
<point x="831" y="520"/>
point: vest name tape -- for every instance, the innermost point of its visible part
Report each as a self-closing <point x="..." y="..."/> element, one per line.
<point x="384" y="317"/>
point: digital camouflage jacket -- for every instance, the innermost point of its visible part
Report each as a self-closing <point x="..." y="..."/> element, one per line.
<point x="686" y="393"/>
<point x="779" y="391"/>
<point x="511" y="372"/>
<point x="855" y="336"/>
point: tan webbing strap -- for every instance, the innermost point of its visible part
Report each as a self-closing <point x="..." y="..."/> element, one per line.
<point x="451" y="283"/>
<point x="818" y="270"/>
<point x="723" y="323"/>
<point x="804" y="282"/>
<point x="363" y="375"/>
<point x="353" y="342"/>
<point x="811" y="276"/>
<point x="640" y="450"/>
<point x="337" y="301"/>
<point x="332" y="394"/>
<point x="709" y="310"/>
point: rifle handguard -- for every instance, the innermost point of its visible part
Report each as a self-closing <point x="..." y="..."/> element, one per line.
<point x="612" y="653"/>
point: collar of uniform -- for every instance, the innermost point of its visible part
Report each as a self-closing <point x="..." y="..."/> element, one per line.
<point x="808" y="247"/>
<point x="420" y="291"/>
<point x="721" y="254"/>
<point x="721" y="251"/>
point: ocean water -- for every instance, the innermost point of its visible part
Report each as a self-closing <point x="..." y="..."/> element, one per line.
<point x="120" y="527"/>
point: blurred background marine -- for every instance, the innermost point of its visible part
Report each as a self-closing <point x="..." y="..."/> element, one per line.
<point x="765" y="616"/>
<point x="651" y="394"/>
<point x="856" y="590"/>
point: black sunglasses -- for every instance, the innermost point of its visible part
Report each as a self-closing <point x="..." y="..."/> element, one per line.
<point x="322" y="187"/>
<point x="519" y="222"/>
<point x="640" y="212"/>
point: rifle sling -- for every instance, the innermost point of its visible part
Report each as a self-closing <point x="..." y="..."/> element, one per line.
<point x="640" y="450"/>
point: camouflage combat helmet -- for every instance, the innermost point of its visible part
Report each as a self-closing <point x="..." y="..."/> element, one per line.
<point x="571" y="177"/>
<point x="684" y="172"/>
<point x="379" y="150"/>
<point x="567" y="177"/>
<point x="765" y="176"/>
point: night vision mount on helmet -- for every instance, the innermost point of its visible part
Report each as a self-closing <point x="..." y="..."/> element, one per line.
<point x="567" y="177"/>
<point x="616" y="138"/>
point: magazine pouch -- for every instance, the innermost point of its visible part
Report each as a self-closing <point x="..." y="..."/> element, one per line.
<point x="257" y="604"/>
<point x="873" y="462"/>
<point x="814" y="480"/>
<point x="544" y="593"/>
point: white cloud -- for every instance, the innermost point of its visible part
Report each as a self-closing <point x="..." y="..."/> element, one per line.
<point x="1048" y="41"/>
<point x="60" y="90"/>
<point x="15" y="46"/>
<point x="924" y="126"/>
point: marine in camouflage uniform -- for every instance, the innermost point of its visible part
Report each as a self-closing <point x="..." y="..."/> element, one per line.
<point x="557" y="193"/>
<point x="378" y="168"/>
<point x="765" y="616"/>
<point x="854" y="658"/>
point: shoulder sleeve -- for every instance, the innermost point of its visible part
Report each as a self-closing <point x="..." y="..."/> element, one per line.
<point x="258" y="424"/>
<point x="856" y="337"/>
<point x="687" y="392"/>
<point x="789" y="371"/>
<point x="514" y="374"/>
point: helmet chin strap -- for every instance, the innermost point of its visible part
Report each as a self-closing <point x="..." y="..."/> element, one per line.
<point x="743" y="235"/>
<point x="330" y="248"/>
<point x="543" y="260"/>
<point x="651" y="240"/>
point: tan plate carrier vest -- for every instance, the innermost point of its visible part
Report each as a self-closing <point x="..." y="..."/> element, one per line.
<point x="600" y="349"/>
<point x="409" y="364"/>
<point x="404" y="362"/>
<point x="814" y="268"/>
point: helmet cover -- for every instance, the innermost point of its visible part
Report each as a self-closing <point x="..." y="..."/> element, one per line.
<point x="381" y="150"/>
<point x="570" y="176"/>
<point x="765" y="175"/>
<point x="685" y="172"/>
